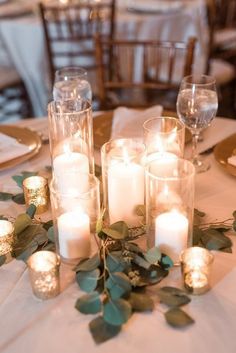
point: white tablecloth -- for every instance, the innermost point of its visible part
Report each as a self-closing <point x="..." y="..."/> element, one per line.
<point x="25" y="41"/>
<point x="28" y="325"/>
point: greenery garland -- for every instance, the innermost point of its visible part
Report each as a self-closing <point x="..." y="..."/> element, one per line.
<point x="117" y="277"/>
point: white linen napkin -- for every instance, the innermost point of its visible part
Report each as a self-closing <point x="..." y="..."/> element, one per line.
<point x="10" y="148"/>
<point x="129" y="122"/>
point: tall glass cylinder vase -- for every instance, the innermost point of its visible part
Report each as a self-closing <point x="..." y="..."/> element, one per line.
<point x="170" y="205"/>
<point x="71" y="136"/>
<point x="164" y="135"/>
<point x="123" y="179"/>
<point x="75" y="213"/>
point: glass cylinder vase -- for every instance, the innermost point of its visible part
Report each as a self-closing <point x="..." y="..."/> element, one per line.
<point x="71" y="136"/>
<point x="170" y="205"/>
<point x="123" y="179"/>
<point x="75" y="211"/>
<point x="164" y="134"/>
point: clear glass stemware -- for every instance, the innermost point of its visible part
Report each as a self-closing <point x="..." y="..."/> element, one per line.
<point x="197" y="105"/>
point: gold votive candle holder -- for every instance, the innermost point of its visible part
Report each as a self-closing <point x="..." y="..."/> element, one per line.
<point x="44" y="274"/>
<point x="36" y="192"/>
<point x="6" y="237"/>
<point x="196" y="269"/>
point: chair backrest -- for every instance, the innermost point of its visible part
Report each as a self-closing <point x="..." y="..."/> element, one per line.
<point x="69" y="31"/>
<point x="148" y="65"/>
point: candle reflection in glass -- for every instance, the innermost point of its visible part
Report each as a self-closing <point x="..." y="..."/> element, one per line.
<point x="196" y="268"/>
<point x="44" y="274"/>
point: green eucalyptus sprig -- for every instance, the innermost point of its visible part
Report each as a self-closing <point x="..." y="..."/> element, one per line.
<point x="116" y="281"/>
<point x="211" y="235"/>
<point x="30" y="235"/>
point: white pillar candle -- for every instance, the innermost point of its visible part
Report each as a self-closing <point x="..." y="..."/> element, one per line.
<point x="162" y="163"/>
<point x="70" y="162"/>
<point x="125" y="192"/>
<point x="171" y="233"/>
<point x="74" y="234"/>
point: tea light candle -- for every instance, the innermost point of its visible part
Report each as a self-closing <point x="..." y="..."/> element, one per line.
<point x="171" y="233"/>
<point x="74" y="234"/>
<point x="125" y="192"/>
<point x="36" y="192"/>
<point x="6" y="237"/>
<point x="44" y="274"/>
<point x="195" y="265"/>
<point x="69" y="161"/>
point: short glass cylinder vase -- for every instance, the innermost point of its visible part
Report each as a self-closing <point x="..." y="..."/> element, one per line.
<point x="75" y="212"/>
<point x="164" y="134"/>
<point x="123" y="180"/>
<point x="196" y="266"/>
<point x="71" y="136"/>
<point x="170" y="205"/>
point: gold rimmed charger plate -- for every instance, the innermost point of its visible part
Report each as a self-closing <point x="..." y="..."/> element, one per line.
<point x="102" y="125"/>
<point x="25" y="136"/>
<point x="223" y="151"/>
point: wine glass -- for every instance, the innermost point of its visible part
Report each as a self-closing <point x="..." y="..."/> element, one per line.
<point x="197" y="105"/>
<point x="71" y="83"/>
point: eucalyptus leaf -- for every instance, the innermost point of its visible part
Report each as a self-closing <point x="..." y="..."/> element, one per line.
<point x="117" y="312"/>
<point x="19" y="199"/>
<point x="215" y="240"/>
<point x="140" y="261"/>
<point x="19" y="180"/>
<point x="172" y="296"/>
<point x="5" y="196"/>
<point x="133" y="248"/>
<point x="178" y="318"/>
<point x="51" y="235"/>
<point x="2" y="259"/>
<point x="88" y="280"/>
<point x="153" y="255"/>
<point x="115" y="262"/>
<point x="118" y="230"/>
<point x="47" y="225"/>
<point x="89" y="264"/>
<point x="166" y="261"/>
<point x="24" y="255"/>
<point x="141" y="302"/>
<point x="22" y="222"/>
<point x="118" y="284"/>
<point x="31" y="211"/>
<point x="25" y="240"/>
<point x="89" y="303"/>
<point x="102" y="331"/>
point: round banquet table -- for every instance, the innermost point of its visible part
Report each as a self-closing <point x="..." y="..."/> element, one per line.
<point x="30" y="325"/>
<point x="23" y="39"/>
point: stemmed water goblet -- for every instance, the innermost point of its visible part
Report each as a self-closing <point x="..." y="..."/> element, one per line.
<point x="197" y="105"/>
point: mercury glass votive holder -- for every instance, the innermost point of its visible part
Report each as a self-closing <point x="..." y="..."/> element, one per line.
<point x="164" y="134"/>
<point x="44" y="274"/>
<point x="169" y="205"/>
<point x="75" y="211"/>
<point x="123" y="179"/>
<point x="36" y="192"/>
<point x="71" y="136"/>
<point x="196" y="263"/>
<point x="6" y="237"/>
